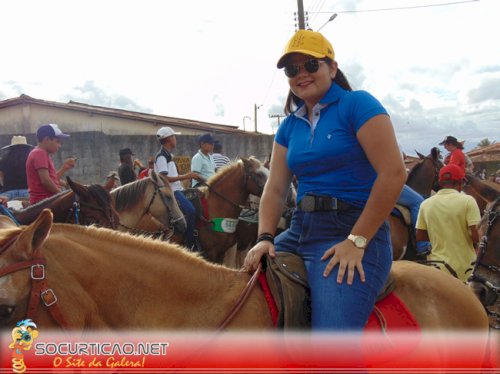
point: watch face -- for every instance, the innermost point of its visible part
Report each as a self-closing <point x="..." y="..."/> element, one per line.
<point x="360" y="242"/>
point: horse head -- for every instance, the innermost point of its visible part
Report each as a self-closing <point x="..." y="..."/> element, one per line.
<point x="168" y="211"/>
<point x="92" y="205"/>
<point x="256" y="175"/>
<point x="424" y="177"/>
<point x="20" y="249"/>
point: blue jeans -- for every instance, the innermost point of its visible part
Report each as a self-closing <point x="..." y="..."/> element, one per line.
<point x="16" y="194"/>
<point x="189" y="214"/>
<point x="412" y="200"/>
<point x="337" y="306"/>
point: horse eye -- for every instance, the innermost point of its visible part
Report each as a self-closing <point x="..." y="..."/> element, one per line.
<point x="6" y="311"/>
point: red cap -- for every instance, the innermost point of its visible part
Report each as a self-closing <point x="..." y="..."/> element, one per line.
<point x="451" y="172"/>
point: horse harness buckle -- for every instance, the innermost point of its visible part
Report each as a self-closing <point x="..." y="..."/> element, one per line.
<point x="48" y="297"/>
<point x="37" y="272"/>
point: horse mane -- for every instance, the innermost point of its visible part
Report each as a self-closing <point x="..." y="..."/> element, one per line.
<point x="100" y="194"/>
<point x="223" y="172"/>
<point x="130" y="194"/>
<point x="487" y="192"/>
<point x="137" y="242"/>
<point x="229" y="169"/>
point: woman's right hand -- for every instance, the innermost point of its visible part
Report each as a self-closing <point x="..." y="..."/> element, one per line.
<point x="255" y="254"/>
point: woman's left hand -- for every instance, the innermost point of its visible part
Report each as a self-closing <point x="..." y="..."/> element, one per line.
<point x="348" y="257"/>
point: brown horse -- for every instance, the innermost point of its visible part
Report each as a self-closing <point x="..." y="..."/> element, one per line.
<point x="151" y="201"/>
<point x="168" y="287"/>
<point x="423" y="178"/>
<point x="81" y="204"/>
<point x="226" y="194"/>
<point x="485" y="278"/>
<point x="482" y="191"/>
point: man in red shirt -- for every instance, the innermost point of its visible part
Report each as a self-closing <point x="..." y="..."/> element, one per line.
<point x="456" y="156"/>
<point x="43" y="179"/>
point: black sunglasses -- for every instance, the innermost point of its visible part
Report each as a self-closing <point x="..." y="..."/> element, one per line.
<point x="311" y="66"/>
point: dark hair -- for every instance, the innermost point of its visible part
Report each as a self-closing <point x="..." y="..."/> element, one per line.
<point x="217" y="147"/>
<point x="292" y="101"/>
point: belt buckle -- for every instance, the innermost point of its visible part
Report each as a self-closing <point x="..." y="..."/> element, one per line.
<point x="307" y="204"/>
<point x="334" y="203"/>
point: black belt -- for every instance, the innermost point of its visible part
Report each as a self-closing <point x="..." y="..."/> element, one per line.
<point x="312" y="203"/>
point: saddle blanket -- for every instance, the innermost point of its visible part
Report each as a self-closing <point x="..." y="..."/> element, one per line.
<point x="390" y="313"/>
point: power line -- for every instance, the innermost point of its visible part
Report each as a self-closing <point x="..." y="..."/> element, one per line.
<point x="402" y="8"/>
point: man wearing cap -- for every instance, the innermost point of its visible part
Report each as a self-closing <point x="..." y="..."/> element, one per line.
<point x="220" y="159"/>
<point x="202" y="162"/>
<point x="455" y="156"/>
<point x="13" y="168"/>
<point x="43" y="179"/>
<point x="449" y="220"/>
<point x="126" y="170"/>
<point x="164" y="164"/>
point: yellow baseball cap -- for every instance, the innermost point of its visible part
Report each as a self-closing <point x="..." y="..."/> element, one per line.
<point x="307" y="42"/>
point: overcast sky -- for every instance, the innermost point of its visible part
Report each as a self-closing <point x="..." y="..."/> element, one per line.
<point x="435" y="68"/>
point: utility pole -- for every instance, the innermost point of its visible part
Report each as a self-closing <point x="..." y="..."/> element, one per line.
<point x="255" y="108"/>
<point x="278" y="116"/>
<point x="300" y="14"/>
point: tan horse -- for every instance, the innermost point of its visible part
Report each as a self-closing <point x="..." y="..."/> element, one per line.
<point x="103" y="281"/>
<point x="148" y="197"/>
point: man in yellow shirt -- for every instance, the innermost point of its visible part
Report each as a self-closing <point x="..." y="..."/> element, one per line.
<point x="449" y="221"/>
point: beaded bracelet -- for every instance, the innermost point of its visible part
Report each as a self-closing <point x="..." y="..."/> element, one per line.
<point x="265" y="237"/>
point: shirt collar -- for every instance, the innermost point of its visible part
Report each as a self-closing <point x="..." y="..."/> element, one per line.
<point x="334" y="94"/>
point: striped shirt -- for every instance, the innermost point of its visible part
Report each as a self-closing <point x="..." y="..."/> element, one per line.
<point x="220" y="160"/>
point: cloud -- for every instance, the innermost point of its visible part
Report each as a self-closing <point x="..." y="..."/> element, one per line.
<point x="489" y="89"/>
<point x="89" y="93"/>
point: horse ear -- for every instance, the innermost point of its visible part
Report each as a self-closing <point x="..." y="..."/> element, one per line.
<point x="420" y="155"/>
<point x="154" y="177"/>
<point x="246" y="162"/>
<point x="32" y="237"/>
<point x="77" y="188"/>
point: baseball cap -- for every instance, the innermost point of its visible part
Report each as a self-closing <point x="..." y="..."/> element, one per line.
<point x="449" y="140"/>
<point x="51" y="130"/>
<point x="165" y="132"/>
<point x="451" y="172"/>
<point x="206" y="138"/>
<point x="307" y="42"/>
<point x="126" y="151"/>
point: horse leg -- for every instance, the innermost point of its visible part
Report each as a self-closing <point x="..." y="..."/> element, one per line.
<point x="437" y="300"/>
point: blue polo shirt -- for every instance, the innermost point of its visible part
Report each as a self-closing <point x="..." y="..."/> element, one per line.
<point x="326" y="156"/>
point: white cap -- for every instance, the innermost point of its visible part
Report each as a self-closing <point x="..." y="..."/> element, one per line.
<point x="165" y="132"/>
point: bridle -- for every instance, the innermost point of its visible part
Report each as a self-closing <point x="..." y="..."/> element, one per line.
<point x="39" y="286"/>
<point x="437" y="168"/>
<point x="493" y="290"/>
<point x="247" y="175"/>
<point x="166" y="233"/>
<point x="75" y="213"/>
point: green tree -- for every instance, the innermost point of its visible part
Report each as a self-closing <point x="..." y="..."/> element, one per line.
<point x="483" y="143"/>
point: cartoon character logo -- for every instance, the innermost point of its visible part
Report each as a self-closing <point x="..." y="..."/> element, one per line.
<point x="23" y="336"/>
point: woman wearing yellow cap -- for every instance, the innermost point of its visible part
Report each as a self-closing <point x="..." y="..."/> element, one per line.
<point x="341" y="146"/>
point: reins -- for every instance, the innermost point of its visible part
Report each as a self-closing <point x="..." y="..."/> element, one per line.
<point x="241" y="299"/>
<point x="39" y="285"/>
<point x="491" y="217"/>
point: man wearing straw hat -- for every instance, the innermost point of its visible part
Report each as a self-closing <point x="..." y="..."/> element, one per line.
<point x="13" y="169"/>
